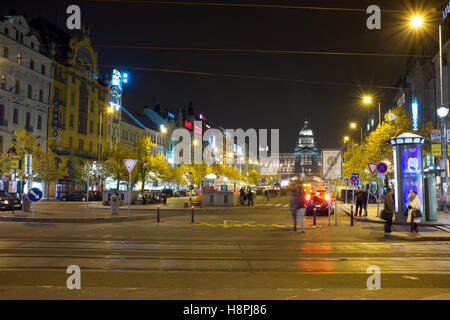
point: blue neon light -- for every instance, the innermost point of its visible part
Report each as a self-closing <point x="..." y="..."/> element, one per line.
<point x="415" y="115"/>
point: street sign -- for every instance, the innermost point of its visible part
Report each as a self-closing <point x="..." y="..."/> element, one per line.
<point x="382" y="167"/>
<point x="381" y="176"/>
<point x="130" y="163"/>
<point x="331" y="164"/>
<point x="263" y="180"/>
<point x="224" y="187"/>
<point x="35" y="194"/>
<point x="436" y="150"/>
<point x="372" y="167"/>
<point x="14" y="164"/>
<point x="392" y="116"/>
<point x="435" y="136"/>
<point x="346" y="181"/>
<point x="354" y="178"/>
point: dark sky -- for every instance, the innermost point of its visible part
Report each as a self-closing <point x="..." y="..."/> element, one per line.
<point x="249" y="103"/>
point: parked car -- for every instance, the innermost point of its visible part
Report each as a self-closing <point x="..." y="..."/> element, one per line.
<point x="74" y="196"/>
<point x="95" y="196"/>
<point x="180" y="193"/>
<point x="8" y="201"/>
<point x="167" y="192"/>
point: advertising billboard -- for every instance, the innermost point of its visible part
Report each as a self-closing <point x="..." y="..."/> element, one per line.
<point x="411" y="171"/>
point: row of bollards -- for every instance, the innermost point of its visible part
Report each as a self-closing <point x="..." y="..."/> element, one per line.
<point x="158" y="216"/>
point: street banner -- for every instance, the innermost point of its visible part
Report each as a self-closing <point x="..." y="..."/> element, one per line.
<point x="331" y="164"/>
<point x="435" y="136"/>
<point x="372" y="167"/>
<point x="436" y="150"/>
<point x="130" y="163"/>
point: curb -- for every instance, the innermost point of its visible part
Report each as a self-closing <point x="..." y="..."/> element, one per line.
<point x="75" y="220"/>
<point x="432" y="224"/>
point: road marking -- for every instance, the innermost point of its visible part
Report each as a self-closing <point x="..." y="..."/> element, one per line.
<point x="270" y="204"/>
<point x="277" y="205"/>
<point x="285" y="205"/>
<point x="227" y="225"/>
<point x="410" y="277"/>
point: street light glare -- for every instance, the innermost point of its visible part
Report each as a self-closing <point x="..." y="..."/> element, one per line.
<point x="353" y="125"/>
<point x="367" y="99"/>
<point x="416" y="21"/>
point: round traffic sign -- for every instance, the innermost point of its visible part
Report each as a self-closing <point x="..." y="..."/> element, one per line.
<point x="35" y="194"/>
<point x="382" y="167"/>
<point x="353" y="179"/>
<point x="263" y="180"/>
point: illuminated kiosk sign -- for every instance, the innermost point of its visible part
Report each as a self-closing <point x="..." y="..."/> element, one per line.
<point x="408" y="171"/>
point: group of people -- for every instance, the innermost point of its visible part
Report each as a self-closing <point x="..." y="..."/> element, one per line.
<point x="412" y="205"/>
<point x="249" y="196"/>
<point x="361" y="196"/>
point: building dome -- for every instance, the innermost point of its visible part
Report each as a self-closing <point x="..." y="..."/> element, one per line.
<point x="306" y="131"/>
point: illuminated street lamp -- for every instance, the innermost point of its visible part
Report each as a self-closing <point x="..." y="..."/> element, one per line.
<point x="416" y="21"/>
<point x="163" y="129"/>
<point x="368" y="100"/>
<point x="346" y="139"/>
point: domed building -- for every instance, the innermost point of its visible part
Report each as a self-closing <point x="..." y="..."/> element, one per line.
<point x="307" y="155"/>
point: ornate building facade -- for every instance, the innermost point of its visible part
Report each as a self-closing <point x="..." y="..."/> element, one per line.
<point x="25" y="82"/>
<point x="307" y="155"/>
<point x="79" y="102"/>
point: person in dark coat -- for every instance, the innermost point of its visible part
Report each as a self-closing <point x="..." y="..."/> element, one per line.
<point x="390" y="209"/>
<point x="359" y="200"/>
<point x="365" y="195"/>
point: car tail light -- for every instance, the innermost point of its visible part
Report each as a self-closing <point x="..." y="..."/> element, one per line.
<point x="327" y="197"/>
<point x="317" y="193"/>
<point x="308" y="196"/>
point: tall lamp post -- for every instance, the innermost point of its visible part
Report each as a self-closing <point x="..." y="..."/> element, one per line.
<point x="417" y="23"/>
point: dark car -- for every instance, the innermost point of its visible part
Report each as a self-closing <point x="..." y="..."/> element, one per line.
<point x="95" y="196"/>
<point x="8" y="201"/>
<point x="180" y="193"/>
<point x="74" y="196"/>
<point x="167" y="192"/>
<point x="320" y="201"/>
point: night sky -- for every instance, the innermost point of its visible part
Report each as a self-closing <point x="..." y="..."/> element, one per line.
<point x="241" y="102"/>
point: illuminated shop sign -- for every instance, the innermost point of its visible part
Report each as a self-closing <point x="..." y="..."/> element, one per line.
<point x="171" y="115"/>
<point x="188" y="124"/>
<point x="116" y="78"/>
<point x="446" y="11"/>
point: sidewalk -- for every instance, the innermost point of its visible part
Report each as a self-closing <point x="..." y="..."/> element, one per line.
<point x="77" y="212"/>
<point x="443" y="218"/>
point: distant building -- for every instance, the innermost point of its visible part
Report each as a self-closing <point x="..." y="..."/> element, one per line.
<point x="307" y="155"/>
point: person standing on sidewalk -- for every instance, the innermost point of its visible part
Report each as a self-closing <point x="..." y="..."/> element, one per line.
<point x="359" y="201"/>
<point x="413" y="204"/>
<point x="301" y="208"/>
<point x="365" y="195"/>
<point x="293" y="207"/>
<point x="390" y="209"/>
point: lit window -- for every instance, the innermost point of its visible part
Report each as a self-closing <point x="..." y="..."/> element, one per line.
<point x="19" y="58"/>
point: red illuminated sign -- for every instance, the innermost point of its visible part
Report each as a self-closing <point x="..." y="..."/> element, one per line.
<point x="188" y="124"/>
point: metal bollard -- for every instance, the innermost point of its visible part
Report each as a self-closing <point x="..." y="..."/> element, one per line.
<point x="351" y="215"/>
<point x="314" y="216"/>
<point x="192" y="215"/>
<point x="157" y="214"/>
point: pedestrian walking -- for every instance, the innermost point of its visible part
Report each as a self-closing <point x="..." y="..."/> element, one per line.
<point x="365" y="195"/>
<point x="242" y="195"/>
<point x="293" y="207"/>
<point x="359" y="201"/>
<point x="250" y="196"/>
<point x="388" y="212"/>
<point x="301" y="208"/>
<point x="414" y="215"/>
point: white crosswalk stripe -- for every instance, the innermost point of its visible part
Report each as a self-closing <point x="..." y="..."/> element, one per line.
<point x="278" y="204"/>
<point x="270" y="204"/>
<point x="285" y="205"/>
